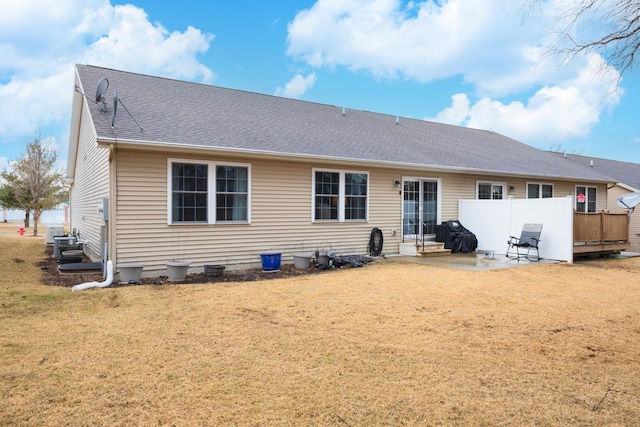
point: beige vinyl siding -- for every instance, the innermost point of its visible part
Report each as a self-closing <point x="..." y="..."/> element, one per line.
<point x="634" y="219"/>
<point x="612" y="198"/>
<point x="560" y="188"/>
<point x="569" y="189"/>
<point x="91" y="185"/>
<point x="458" y="186"/>
<point x="281" y="213"/>
<point x="455" y="187"/>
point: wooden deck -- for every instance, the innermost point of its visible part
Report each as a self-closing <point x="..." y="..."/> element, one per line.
<point x="600" y="232"/>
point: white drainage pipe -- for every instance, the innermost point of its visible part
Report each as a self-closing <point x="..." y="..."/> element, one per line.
<point x="104" y="284"/>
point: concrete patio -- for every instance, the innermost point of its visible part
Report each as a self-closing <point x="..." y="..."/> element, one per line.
<point x="479" y="261"/>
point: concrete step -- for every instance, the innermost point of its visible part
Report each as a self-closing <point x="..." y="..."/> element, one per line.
<point x="423" y="250"/>
<point x="434" y="253"/>
<point x="429" y="246"/>
<point x="432" y="249"/>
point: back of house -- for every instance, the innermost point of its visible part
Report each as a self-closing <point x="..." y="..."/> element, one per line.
<point x="219" y="176"/>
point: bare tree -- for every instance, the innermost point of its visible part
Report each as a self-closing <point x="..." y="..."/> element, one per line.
<point x="36" y="185"/>
<point x="610" y="28"/>
<point x="560" y="148"/>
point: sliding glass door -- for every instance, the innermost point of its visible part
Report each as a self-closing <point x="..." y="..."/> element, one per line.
<point x="420" y="207"/>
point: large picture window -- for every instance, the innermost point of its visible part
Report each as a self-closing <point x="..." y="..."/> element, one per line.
<point x="207" y="192"/>
<point x="340" y="196"/>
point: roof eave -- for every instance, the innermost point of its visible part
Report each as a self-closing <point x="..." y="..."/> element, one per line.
<point x="236" y="152"/>
<point x="627" y="187"/>
<point x="74" y="131"/>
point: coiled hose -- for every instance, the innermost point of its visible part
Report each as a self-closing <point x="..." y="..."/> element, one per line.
<point x="375" y="242"/>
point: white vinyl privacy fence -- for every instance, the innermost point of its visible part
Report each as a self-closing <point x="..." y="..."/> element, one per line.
<point x="493" y="221"/>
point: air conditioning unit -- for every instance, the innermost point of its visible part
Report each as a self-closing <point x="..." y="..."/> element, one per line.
<point x="62" y="241"/>
<point x="53" y="231"/>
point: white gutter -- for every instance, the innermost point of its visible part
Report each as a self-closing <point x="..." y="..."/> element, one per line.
<point x="104" y="284"/>
<point x="163" y="146"/>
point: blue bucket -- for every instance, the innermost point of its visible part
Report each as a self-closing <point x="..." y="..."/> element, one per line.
<point x="271" y="262"/>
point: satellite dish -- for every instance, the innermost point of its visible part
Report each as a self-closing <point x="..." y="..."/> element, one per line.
<point x="103" y="85"/>
<point x="115" y="107"/>
<point x="629" y="201"/>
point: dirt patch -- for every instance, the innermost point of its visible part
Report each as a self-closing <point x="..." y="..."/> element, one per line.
<point x="53" y="277"/>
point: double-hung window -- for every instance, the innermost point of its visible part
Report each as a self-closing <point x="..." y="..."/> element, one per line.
<point x="208" y="192"/>
<point x="189" y="192"/>
<point x="340" y="195"/>
<point x="355" y="196"/>
<point x="491" y="191"/>
<point x="539" y="191"/>
<point x="232" y="193"/>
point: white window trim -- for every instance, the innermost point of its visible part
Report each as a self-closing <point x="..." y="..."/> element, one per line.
<point x="341" y="195"/>
<point x="586" y="201"/>
<point x="540" y="184"/>
<point x="438" y="181"/>
<point x="492" y="183"/>
<point x="211" y="191"/>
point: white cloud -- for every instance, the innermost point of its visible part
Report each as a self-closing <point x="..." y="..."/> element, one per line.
<point x="423" y="41"/>
<point x="553" y="113"/>
<point x="134" y="43"/>
<point x="40" y="44"/>
<point x="458" y="113"/>
<point x="297" y="86"/>
<point x="492" y="45"/>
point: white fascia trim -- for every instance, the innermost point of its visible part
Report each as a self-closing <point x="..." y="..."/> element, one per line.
<point x="163" y="146"/>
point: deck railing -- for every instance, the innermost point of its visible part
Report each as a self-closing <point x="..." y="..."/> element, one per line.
<point x="602" y="229"/>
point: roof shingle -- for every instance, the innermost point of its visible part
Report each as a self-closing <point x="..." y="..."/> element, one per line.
<point x="620" y="172"/>
<point x="197" y="115"/>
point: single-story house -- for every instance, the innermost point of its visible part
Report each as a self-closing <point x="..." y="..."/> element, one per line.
<point x="181" y="170"/>
<point x="625" y="177"/>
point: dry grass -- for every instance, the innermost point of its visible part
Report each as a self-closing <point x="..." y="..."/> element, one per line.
<point x="387" y="344"/>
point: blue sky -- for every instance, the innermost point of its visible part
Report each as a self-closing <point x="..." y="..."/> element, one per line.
<point x="479" y="64"/>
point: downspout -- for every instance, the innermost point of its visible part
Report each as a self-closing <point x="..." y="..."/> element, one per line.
<point x="113" y="197"/>
<point x="104" y="284"/>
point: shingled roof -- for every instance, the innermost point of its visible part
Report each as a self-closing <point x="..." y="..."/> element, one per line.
<point x="175" y="113"/>
<point x="624" y="173"/>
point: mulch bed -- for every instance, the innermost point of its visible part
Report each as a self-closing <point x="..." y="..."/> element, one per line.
<point x="52" y="276"/>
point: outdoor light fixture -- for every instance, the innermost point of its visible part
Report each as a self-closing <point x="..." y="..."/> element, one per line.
<point x="397" y="183"/>
<point x="512" y="188"/>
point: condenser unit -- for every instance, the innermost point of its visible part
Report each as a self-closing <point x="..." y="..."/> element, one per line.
<point x="53" y="231"/>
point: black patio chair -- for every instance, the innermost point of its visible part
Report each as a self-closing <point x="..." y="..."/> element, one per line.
<point x="529" y="239"/>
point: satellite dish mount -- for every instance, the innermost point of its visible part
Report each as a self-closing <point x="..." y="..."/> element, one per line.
<point x="629" y="201"/>
<point x="115" y="108"/>
<point x="103" y="85"/>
